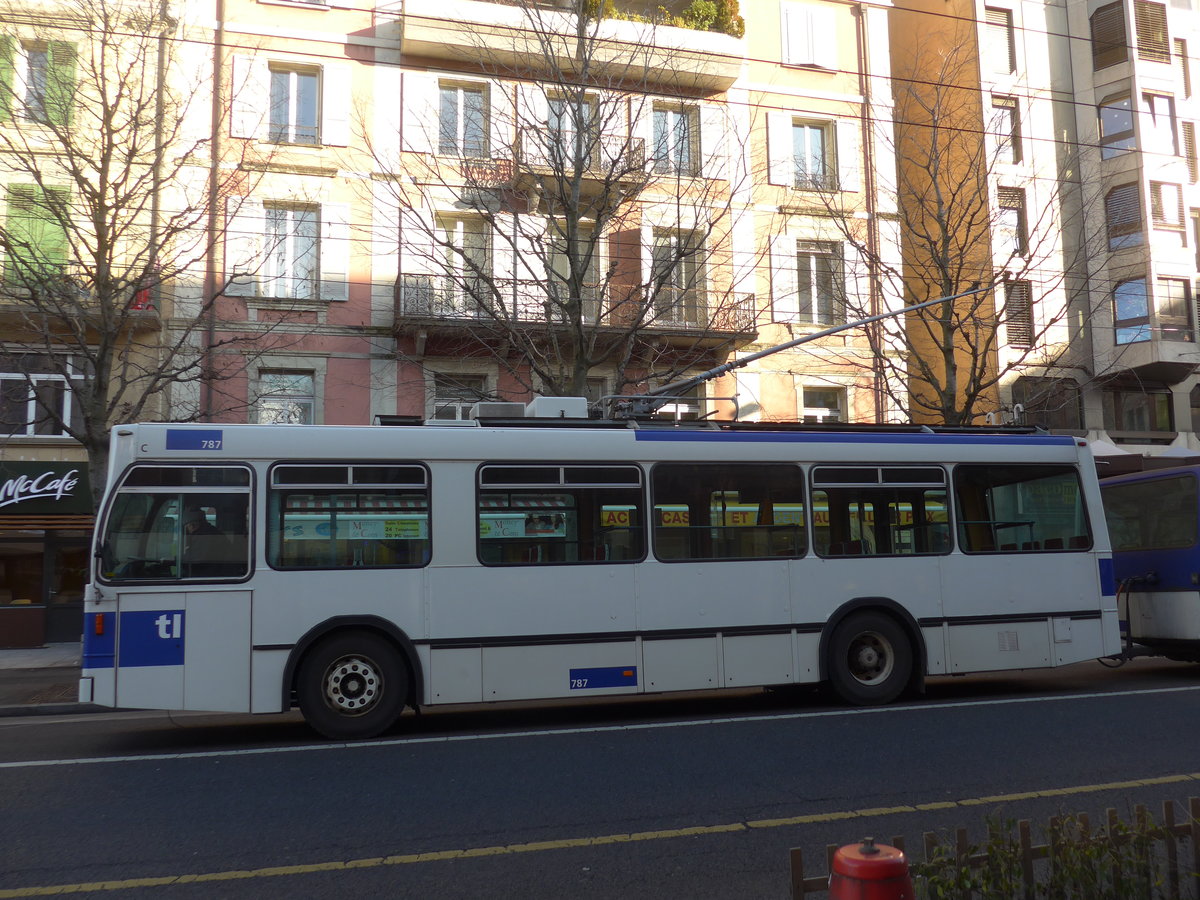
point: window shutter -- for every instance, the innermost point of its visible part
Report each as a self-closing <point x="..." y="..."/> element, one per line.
<point x="784" y="299"/>
<point x="335" y="105"/>
<point x="823" y="25"/>
<point x="780" y="155"/>
<point x="245" y="223"/>
<point x="848" y="156"/>
<point x="1003" y="44"/>
<point x="1151" y="22"/>
<point x="1189" y="151"/>
<point x="251" y="93"/>
<point x="8" y="47"/>
<point x="714" y="152"/>
<point x="60" y="85"/>
<point x="1018" y="313"/>
<point x="532" y="120"/>
<point x="420" y="112"/>
<point x="335" y="251"/>
<point x="1108" y="36"/>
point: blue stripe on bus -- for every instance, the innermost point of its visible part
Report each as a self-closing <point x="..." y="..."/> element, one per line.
<point x="1108" y="582"/>
<point x="1039" y="440"/>
<point x="608" y="677"/>
<point x="151" y="638"/>
<point x="99" y="650"/>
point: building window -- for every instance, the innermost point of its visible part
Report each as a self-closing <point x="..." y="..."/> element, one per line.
<point x="1138" y="410"/>
<point x="1161" y="131"/>
<point x="572" y="129"/>
<point x="1183" y="67"/>
<point x="37" y="394"/>
<point x="1006" y="120"/>
<point x="1002" y="49"/>
<point x="560" y="287"/>
<point x="676" y="140"/>
<point x="1012" y="221"/>
<point x="37" y="81"/>
<point x="462" y="121"/>
<point x="292" y="253"/>
<point x="677" y="279"/>
<point x="1018" y="313"/>
<point x="454" y="395"/>
<point x="1109" y="45"/>
<point x="1173" y="309"/>
<point x="1194" y="402"/>
<point x="819" y="297"/>
<point x="1166" y="206"/>
<point x="295" y="106"/>
<point x="809" y="35"/>
<point x="1123" y="213"/>
<point x="465" y="266"/>
<point x="1131" y="311"/>
<point x="1194" y="218"/>
<point x="1151" y="22"/>
<point x="1048" y="402"/>
<point x="685" y="406"/>
<point x="810" y="156"/>
<point x="822" y="404"/>
<point x="1116" y="126"/>
<point x="286" y="398"/>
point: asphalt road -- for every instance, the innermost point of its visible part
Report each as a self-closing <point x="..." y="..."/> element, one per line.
<point x="686" y="797"/>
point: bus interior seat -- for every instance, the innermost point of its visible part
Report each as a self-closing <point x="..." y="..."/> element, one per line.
<point x="1055" y="543"/>
<point x="1078" y="542"/>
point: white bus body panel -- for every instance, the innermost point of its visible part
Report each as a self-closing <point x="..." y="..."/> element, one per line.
<point x="1164" y="615"/>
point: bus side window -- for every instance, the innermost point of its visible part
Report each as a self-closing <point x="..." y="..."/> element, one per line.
<point x="728" y="511"/>
<point x="1020" y="509"/>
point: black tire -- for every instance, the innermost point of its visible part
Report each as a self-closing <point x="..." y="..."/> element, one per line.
<point x="353" y="685"/>
<point x="870" y="659"/>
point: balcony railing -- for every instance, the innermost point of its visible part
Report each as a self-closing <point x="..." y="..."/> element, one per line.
<point x="528" y="302"/>
<point x="604" y="155"/>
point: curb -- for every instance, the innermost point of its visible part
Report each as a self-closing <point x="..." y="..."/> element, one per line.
<point x="50" y="709"/>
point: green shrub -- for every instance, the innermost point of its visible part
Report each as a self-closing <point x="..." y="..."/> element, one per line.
<point x="1117" y="863"/>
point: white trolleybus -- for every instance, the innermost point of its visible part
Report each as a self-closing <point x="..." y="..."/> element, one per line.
<point x="357" y="571"/>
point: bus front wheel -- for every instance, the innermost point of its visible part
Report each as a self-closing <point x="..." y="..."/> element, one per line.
<point x="870" y="659"/>
<point x="352" y="686"/>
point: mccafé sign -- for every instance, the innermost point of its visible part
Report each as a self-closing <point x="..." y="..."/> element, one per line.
<point x="47" y="488"/>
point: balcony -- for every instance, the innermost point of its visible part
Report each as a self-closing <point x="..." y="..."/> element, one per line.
<point x="432" y="305"/>
<point x="67" y="301"/>
<point x="462" y="31"/>
<point x="1162" y="353"/>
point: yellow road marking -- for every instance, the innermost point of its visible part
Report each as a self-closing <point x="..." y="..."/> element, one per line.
<point x="94" y="887"/>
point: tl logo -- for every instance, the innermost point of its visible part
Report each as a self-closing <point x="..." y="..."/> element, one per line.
<point x="170" y="625"/>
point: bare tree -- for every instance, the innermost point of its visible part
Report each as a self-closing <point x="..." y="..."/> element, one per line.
<point x="108" y="158"/>
<point x="568" y="204"/>
<point x="1007" y="241"/>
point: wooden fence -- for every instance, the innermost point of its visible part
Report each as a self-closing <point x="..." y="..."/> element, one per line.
<point x="1167" y="838"/>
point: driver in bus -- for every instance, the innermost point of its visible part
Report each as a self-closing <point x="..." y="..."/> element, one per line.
<point x="206" y="550"/>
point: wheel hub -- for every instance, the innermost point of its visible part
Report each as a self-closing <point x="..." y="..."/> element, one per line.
<point x="870" y="659"/>
<point x="353" y="685"/>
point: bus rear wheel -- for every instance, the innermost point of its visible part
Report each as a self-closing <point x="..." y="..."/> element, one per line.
<point x="870" y="659"/>
<point x="352" y="686"/>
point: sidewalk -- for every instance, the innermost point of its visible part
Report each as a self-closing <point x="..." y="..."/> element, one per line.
<point x="41" y="681"/>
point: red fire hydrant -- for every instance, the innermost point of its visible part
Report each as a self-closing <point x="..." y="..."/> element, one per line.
<point x="869" y="871"/>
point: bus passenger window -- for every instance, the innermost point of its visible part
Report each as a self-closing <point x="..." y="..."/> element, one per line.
<point x="880" y="511"/>
<point x="1020" y="509"/>
<point x="348" y="516"/>
<point x="560" y="514"/>
<point x="728" y="511"/>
